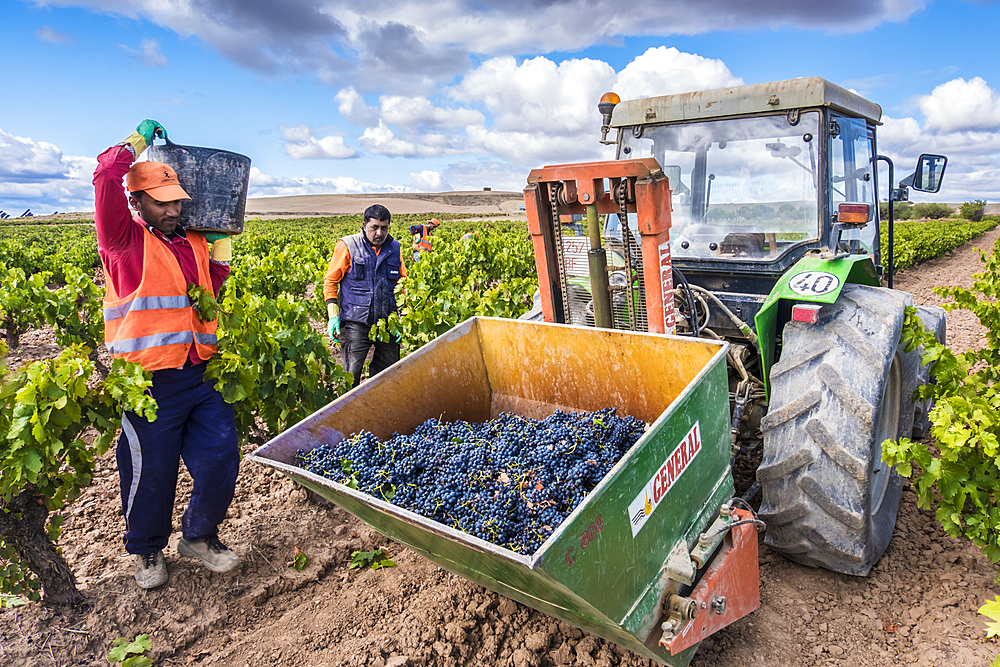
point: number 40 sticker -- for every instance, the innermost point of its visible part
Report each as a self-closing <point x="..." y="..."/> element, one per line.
<point x="814" y="283"/>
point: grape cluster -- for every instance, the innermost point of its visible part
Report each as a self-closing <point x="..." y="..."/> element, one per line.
<point x="510" y="481"/>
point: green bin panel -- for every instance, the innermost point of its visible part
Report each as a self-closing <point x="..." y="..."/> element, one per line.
<point x="602" y="568"/>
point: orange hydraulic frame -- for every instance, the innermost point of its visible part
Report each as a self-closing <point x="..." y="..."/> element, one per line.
<point x="592" y="184"/>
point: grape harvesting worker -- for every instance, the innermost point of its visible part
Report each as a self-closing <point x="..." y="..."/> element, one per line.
<point x="149" y="261"/>
<point x="359" y="290"/>
<point x="422" y="237"/>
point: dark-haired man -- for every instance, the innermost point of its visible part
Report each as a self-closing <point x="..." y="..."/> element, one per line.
<point x="359" y="290"/>
<point x="149" y="261"/>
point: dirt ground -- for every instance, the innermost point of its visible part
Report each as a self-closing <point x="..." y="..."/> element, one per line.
<point x="918" y="606"/>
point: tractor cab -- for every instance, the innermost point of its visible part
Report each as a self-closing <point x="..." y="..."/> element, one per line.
<point x="759" y="176"/>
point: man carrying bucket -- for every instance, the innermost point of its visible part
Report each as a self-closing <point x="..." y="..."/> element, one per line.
<point x="359" y="291"/>
<point x="149" y="261"/>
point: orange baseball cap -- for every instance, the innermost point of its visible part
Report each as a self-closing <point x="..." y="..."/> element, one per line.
<point x="157" y="180"/>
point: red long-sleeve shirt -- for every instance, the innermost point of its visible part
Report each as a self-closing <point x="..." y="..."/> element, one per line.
<point x="120" y="234"/>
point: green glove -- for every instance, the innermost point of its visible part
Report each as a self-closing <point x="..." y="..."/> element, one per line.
<point x="333" y="328"/>
<point x="212" y="237"/>
<point x="149" y="129"/>
<point x="143" y="135"/>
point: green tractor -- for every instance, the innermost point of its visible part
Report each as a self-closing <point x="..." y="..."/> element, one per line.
<point x="774" y="228"/>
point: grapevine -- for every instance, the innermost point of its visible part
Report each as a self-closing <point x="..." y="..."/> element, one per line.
<point x="961" y="473"/>
<point x="510" y="481"/>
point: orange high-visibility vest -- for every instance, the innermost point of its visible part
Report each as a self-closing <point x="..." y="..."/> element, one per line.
<point x="423" y="244"/>
<point x="156" y="324"/>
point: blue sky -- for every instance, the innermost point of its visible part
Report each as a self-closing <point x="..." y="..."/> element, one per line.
<point x="329" y="96"/>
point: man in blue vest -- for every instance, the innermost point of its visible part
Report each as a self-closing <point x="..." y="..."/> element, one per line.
<point x="359" y="290"/>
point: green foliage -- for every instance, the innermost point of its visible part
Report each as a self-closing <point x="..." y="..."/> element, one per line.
<point x="932" y="210"/>
<point x="915" y="242"/>
<point x="39" y="248"/>
<point x="991" y="610"/>
<point x="75" y="311"/>
<point x="962" y="473"/>
<point x="271" y="363"/>
<point x="490" y="274"/>
<point x="203" y="302"/>
<point x="23" y="301"/>
<point x="45" y="408"/>
<point x="283" y="270"/>
<point x="299" y="560"/>
<point x="973" y="210"/>
<point x="375" y="560"/>
<point x="900" y="211"/>
<point x="129" y="653"/>
<point x="11" y="601"/>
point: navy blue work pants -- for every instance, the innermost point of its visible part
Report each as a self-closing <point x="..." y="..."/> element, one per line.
<point x="193" y="422"/>
<point x="355" y="343"/>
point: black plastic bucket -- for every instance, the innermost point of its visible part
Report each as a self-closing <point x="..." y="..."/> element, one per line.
<point x="217" y="182"/>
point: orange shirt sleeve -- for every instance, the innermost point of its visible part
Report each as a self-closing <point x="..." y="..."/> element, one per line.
<point x="340" y="264"/>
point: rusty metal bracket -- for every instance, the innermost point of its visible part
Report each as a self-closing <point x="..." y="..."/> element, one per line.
<point x="730" y="588"/>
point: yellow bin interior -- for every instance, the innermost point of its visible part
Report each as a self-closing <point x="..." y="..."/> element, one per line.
<point x="486" y="366"/>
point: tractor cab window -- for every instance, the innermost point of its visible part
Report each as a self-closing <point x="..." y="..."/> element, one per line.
<point x="742" y="189"/>
<point x="852" y="177"/>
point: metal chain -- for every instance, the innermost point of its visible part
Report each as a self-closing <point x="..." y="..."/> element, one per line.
<point x="554" y="189"/>
<point x="633" y="322"/>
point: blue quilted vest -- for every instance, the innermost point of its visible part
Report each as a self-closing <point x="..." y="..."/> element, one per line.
<point x="367" y="291"/>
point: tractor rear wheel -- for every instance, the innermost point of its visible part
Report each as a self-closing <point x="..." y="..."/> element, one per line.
<point x="840" y="389"/>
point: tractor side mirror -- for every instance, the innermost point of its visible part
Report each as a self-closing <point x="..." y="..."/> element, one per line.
<point x="929" y="173"/>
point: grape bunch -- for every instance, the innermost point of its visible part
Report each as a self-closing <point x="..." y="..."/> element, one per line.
<point x="510" y="481"/>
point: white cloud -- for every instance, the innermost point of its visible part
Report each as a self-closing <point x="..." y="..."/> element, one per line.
<point x="413" y="111"/>
<point x="149" y="53"/>
<point x="36" y="175"/>
<point x="666" y="71"/>
<point x="429" y="181"/>
<point x="961" y="105"/>
<point x="266" y="185"/>
<point x="353" y="107"/>
<point x="49" y="34"/>
<point x="537" y="95"/>
<point x="381" y="140"/>
<point x="300" y="144"/>
<point x="973" y="159"/>
<point x="547" y="112"/>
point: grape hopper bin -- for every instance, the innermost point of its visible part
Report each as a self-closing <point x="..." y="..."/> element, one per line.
<point x="628" y="559"/>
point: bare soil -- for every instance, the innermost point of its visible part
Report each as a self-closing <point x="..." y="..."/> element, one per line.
<point x="918" y="606"/>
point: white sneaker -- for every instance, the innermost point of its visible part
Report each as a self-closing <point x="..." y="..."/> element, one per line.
<point x="150" y="570"/>
<point x="209" y="550"/>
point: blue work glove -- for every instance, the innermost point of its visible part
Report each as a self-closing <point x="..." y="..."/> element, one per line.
<point x="212" y="237"/>
<point x="333" y="328"/>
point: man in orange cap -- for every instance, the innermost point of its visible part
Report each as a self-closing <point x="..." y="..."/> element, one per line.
<point x="422" y="237"/>
<point x="150" y="261"/>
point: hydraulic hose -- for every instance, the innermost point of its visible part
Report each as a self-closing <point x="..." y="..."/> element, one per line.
<point x="692" y="307"/>
<point x="740" y="324"/>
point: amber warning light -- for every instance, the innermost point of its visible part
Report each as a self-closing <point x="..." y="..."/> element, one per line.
<point x="606" y="106"/>
<point x="853" y="214"/>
